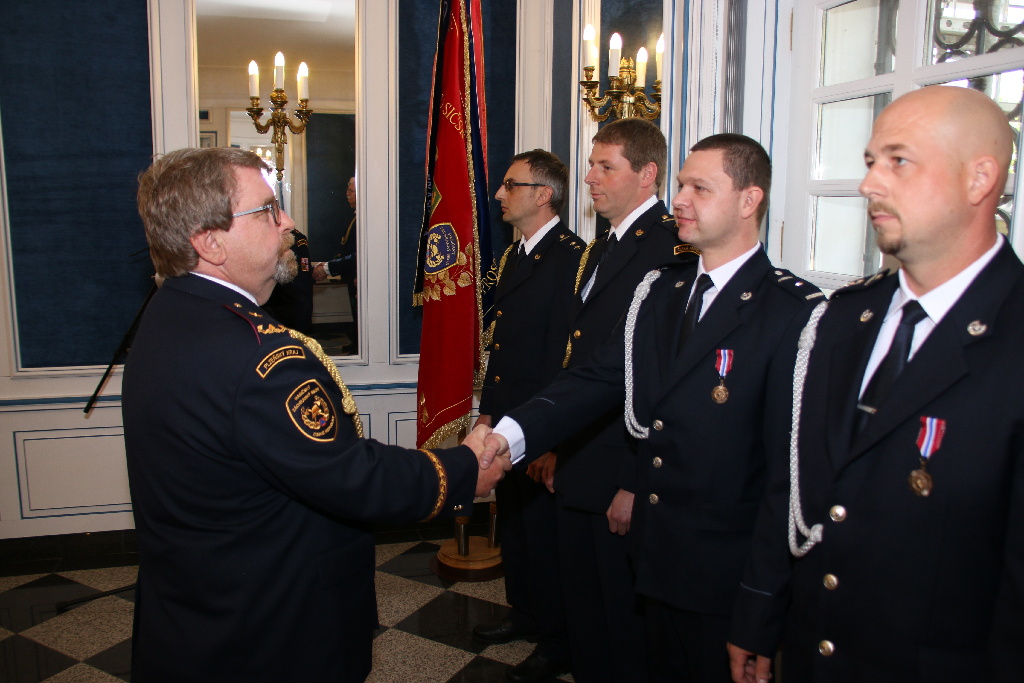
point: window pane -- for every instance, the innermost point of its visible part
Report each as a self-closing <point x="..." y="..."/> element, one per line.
<point x="844" y="241"/>
<point x="960" y="28"/>
<point x="859" y="40"/>
<point x="843" y="132"/>
<point x="1007" y="89"/>
<point x="1003" y="213"/>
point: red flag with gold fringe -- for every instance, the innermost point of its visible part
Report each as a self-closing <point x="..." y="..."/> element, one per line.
<point x="455" y="214"/>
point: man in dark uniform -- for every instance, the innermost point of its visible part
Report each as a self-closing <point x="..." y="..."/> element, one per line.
<point x="908" y="511"/>
<point x="251" y="483"/>
<point x="594" y="479"/>
<point x="291" y="303"/>
<point x="698" y="359"/>
<point x="532" y="302"/>
<point x="344" y="264"/>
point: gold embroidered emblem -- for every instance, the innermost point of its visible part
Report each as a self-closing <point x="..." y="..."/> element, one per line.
<point x="271" y="329"/>
<point x="685" y="249"/>
<point x="237" y="305"/>
<point x="348" y="402"/>
<point x="255" y="314"/>
<point x="275" y="357"/>
<point x="639" y="232"/>
<point x="312" y="412"/>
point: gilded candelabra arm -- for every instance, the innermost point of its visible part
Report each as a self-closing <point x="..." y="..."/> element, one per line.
<point x="302" y="114"/>
<point x="648" y="108"/>
<point x="255" y="111"/>
<point x="590" y="94"/>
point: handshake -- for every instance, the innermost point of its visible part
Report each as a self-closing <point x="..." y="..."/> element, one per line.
<point x="491" y="451"/>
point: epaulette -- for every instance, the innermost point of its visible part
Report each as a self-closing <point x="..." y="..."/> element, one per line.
<point x="260" y="322"/>
<point x="862" y="283"/>
<point x="571" y="242"/>
<point x="795" y="286"/>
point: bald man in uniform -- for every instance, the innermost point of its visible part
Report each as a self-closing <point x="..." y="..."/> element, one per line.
<point x="905" y="554"/>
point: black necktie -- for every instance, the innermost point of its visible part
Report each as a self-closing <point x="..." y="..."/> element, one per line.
<point x="516" y="257"/>
<point x="692" y="314"/>
<point x="609" y="247"/>
<point x="892" y="364"/>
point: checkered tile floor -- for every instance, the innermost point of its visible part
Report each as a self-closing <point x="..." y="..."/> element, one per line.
<point x="425" y="634"/>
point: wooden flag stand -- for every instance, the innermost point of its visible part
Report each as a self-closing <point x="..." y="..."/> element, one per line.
<point x="470" y="558"/>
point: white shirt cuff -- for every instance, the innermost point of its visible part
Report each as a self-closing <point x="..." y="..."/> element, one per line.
<point x="513" y="433"/>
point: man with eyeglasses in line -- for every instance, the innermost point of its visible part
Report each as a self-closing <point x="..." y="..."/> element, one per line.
<point x="595" y="475"/>
<point x="532" y="300"/>
<point x="251" y="483"/>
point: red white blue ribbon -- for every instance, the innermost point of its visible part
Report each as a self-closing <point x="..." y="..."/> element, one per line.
<point x="930" y="437"/>
<point x="723" y="362"/>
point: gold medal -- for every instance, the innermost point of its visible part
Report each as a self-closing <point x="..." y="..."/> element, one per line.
<point x="920" y="483"/>
<point x="720" y="394"/>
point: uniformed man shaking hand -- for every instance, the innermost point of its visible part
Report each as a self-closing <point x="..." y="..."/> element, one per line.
<point x="250" y="478"/>
<point x="702" y="361"/>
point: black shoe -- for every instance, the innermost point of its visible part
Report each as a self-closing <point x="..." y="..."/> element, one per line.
<point x="502" y="632"/>
<point x="535" y="669"/>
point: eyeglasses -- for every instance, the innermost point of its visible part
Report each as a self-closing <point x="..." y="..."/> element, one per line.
<point x="273" y="207"/>
<point x="510" y="184"/>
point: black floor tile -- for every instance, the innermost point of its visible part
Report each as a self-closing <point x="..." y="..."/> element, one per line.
<point x="450" y="617"/>
<point x="481" y="670"/>
<point x="26" y="661"/>
<point x="116" y="661"/>
<point x="414" y="564"/>
<point x="36" y="601"/>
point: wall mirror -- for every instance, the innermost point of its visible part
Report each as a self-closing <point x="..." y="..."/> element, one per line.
<point x="317" y="163"/>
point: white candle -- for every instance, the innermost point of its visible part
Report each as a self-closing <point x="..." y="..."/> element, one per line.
<point x="589" y="46"/>
<point x="641" y="67"/>
<point x="254" y="79"/>
<point x="303" y="80"/>
<point x="657" y="57"/>
<point x="614" y="54"/>
<point x="278" y="71"/>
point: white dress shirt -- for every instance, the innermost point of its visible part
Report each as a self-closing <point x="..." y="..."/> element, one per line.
<point x="935" y="303"/>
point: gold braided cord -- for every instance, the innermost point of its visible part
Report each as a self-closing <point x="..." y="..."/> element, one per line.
<point x="348" y="402"/>
<point x="489" y="334"/>
<point x="442" y="485"/>
<point x="583" y="264"/>
<point x="576" y="290"/>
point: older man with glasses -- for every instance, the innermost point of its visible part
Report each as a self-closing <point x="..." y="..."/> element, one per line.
<point x="251" y="482"/>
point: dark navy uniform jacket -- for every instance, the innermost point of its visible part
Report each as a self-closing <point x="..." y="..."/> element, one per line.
<point x="701" y="472"/>
<point x="921" y="588"/>
<point x="532" y="303"/>
<point x="251" y="489"/>
<point x="594" y="465"/>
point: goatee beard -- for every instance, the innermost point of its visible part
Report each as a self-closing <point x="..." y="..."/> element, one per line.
<point x="287" y="265"/>
<point x="287" y="268"/>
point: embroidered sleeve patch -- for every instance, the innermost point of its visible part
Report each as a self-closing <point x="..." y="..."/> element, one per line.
<point x="312" y="412"/>
<point x="272" y="359"/>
